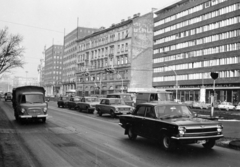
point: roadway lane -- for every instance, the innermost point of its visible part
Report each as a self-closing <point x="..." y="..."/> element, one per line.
<point x="70" y="138"/>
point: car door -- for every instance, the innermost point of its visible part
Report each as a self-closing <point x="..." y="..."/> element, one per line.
<point x="150" y="123"/>
<point x="138" y="120"/>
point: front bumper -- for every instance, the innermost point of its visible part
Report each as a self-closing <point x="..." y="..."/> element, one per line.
<point x="35" y="116"/>
<point x="198" y="137"/>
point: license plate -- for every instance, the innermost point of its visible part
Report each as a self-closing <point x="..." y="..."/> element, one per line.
<point x="201" y="141"/>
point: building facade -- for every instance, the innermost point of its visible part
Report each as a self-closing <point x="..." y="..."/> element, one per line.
<point x="70" y="57"/>
<point x="116" y="59"/>
<point x="193" y="38"/>
<point x="53" y="69"/>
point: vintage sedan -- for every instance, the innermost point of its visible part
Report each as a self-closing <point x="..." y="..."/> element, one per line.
<point x="226" y="106"/>
<point x="201" y="105"/>
<point x="171" y="123"/>
<point x="237" y="106"/>
<point x="63" y="101"/>
<point x="113" y="106"/>
<point x="88" y="104"/>
<point x="73" y="102"/>
<point x="8" y="96"/>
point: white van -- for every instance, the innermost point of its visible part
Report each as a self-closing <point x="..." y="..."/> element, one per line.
<point x="143" y="97"/>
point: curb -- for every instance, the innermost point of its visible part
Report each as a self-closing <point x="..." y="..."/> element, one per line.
<point x="235" y="144"/>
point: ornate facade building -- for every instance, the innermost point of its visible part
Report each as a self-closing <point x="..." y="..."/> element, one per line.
<point x="116" y="59"/>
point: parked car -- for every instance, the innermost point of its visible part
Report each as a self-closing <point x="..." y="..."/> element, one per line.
<point x="201" y="105"/>
<point x="226" y="106"/>
<point x="8" y="96"/>
<point x="63" y="101"/>
<point x="126" y="97"/>
<point x="189" y="104"/>
<point x="238" y="106"/>
<point x="73" y="102"/>
<point x="88" y="104"/>
<point x="171" y="123"/>
<point x="113" y="106"/>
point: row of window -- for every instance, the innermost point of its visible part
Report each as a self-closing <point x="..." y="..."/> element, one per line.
<point x="105" y="76"/>
<point x="204" y="17"/>
<point x="221" y="74"/>
<point x="104" y="40"/>
<point x="213" y="38"/>
<point x="196" y="53"/>
<point x="98" y="53"/>
<point x="188" y="11"/>
<point x="200" y="64"/>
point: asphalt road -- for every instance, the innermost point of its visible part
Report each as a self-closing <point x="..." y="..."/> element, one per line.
<point x="73" y="139"/>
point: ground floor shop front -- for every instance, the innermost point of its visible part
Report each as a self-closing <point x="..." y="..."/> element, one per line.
<point x="203" y="94"/>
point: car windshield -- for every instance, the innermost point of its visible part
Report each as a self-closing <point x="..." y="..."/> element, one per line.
<point x="91" y="100"/>
<point x="172" y="111"/>
<point x="33" y="98"/>
<point x="116" y="101"/>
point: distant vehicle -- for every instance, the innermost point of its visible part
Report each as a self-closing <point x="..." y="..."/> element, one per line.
<point x="73" y="102"/>
<point x="126" y="97"/>
<point x="63" y="102"/>
<point x="113" y="106"/>
<point x="189" y="103"/>
<point x="226" y="106"/>
<point x="172" y="124"/>
<point x="151" y="96"/>
<point x="8" y="96"/>
<point x="238" y="106"/>
<point x="29" y="103"/>
<point x="201" y="105"/>
<point x="88" y="104"/>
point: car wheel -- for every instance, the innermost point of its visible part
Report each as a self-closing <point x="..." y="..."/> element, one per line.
<point x="131" y="134"/>
<point x="209" y="144"/>
<point x="99" y="112"/>
<point x="167" y="143"/>
<point x="112" y="114"/>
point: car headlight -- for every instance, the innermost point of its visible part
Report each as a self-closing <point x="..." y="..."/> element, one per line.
<point x="45" y="109"/>
<point x="219" y="129"/>
<point x="23" y="110"/>
<point x="181" y="130"/>
<point x="117" y="109"/>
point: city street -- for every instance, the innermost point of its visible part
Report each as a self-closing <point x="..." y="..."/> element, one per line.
<point x="70" y="138"/>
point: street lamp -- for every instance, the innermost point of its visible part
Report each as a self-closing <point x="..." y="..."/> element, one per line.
<point x="176" y="81"/>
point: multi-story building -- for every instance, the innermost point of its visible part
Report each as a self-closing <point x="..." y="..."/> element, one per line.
<point x="193" y="38"/>
<point x="116" y="59"/>
<point x="53" y="69"/>
<point x="69" y="57"/>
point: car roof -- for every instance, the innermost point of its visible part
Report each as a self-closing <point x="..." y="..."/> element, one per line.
<point x="119" y="94"/>
<point x="110" y="98"/>
<point x="163" y="103"/>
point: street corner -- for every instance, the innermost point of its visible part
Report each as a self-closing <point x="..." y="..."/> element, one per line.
<point x="229" y="143"/>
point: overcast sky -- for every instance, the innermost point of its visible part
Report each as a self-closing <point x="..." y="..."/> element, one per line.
<point x="42" y="22"/>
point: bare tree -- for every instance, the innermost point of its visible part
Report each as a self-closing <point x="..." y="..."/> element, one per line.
<point x="11" y="52"/>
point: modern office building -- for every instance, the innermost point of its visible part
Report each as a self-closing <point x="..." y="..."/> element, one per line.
<point x="53" y="69"/>
<point x="116" y="59"/>
<point x="193" y="38"/>
<point x="69" y="57"/>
